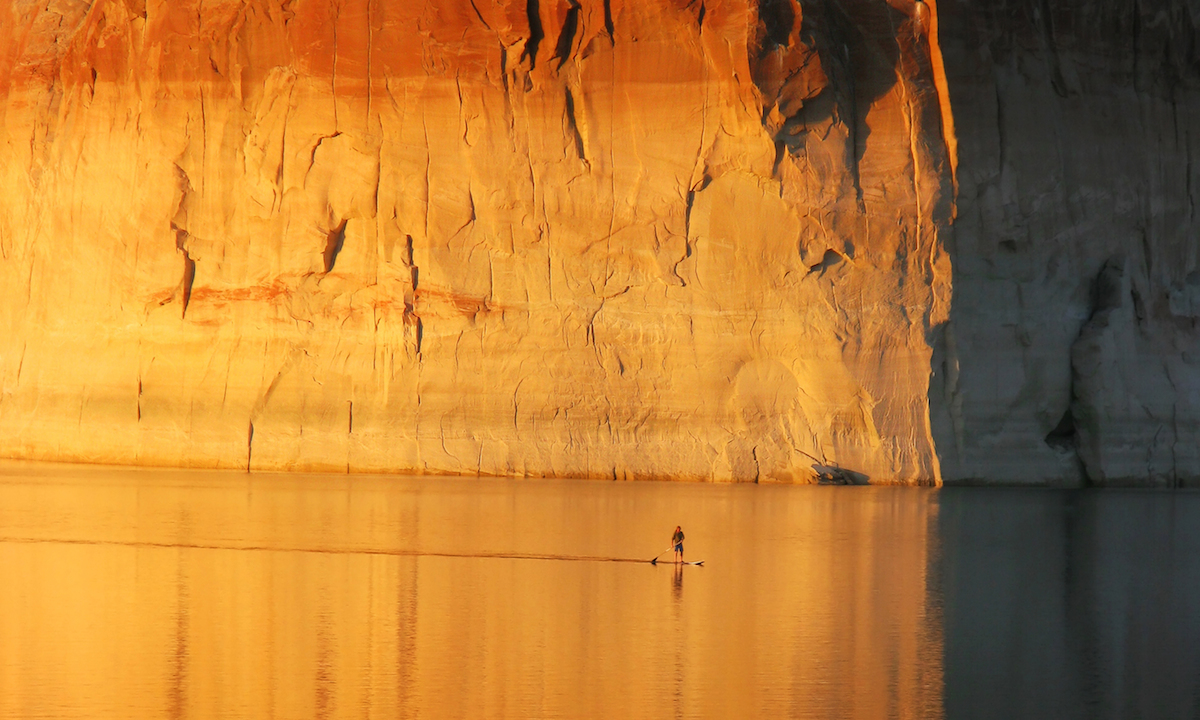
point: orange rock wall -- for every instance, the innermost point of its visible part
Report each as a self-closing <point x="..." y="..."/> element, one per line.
<point x="698" y="240"/>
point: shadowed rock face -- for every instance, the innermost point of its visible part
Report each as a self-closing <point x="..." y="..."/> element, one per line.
<point x="704" y="240"/>
<point x="1073" y="350"/>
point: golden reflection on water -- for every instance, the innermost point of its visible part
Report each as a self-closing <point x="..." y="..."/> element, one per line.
<point x="181" y="594"/>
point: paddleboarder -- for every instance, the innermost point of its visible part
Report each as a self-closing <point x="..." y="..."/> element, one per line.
<point x="677" y="542"/>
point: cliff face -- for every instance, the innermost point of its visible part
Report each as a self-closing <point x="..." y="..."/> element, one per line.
<point x="705" y="240"/>
<point x="610" y="239"/>
<point x="1073" y="350"/>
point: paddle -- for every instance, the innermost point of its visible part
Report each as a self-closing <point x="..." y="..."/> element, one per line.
<point x="656" y="557"/>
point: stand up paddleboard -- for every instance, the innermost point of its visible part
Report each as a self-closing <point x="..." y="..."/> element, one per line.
<point x="690" y="562"/>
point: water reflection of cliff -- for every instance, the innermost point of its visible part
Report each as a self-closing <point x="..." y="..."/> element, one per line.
<point x="195" y="595"/>
<point x="1071" y="605"/>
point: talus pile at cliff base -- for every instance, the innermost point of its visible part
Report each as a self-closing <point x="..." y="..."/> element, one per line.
<point x="729" y="241"/>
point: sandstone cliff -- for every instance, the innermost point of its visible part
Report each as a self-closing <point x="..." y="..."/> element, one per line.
<point x="1073" y="350"/>
<point x="576" y="238"/>
<point x="730" y="240"/>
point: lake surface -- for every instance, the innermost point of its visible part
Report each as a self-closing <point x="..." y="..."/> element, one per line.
<point x="164" y="594"/>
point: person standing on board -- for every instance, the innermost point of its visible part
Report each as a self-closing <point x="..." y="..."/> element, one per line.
<point x="677" y="542"/>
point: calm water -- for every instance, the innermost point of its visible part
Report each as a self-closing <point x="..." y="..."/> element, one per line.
<point x="180" y="594"/>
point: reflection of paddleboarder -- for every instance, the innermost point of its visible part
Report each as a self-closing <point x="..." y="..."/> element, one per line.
<point x="677" y="542"/>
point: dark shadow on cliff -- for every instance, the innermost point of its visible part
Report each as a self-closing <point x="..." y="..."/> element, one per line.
<point x="1051" y="190"/>
<point x="823" y="62"/>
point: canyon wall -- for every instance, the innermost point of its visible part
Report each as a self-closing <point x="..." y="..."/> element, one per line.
<point x="602" y="239"/>
<point x="1073" y="350"/>
<point x="736" y="240"/>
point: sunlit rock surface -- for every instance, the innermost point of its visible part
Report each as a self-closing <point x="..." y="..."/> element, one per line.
<point x="609" y="239"/>
<point x="741" y="240"/>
